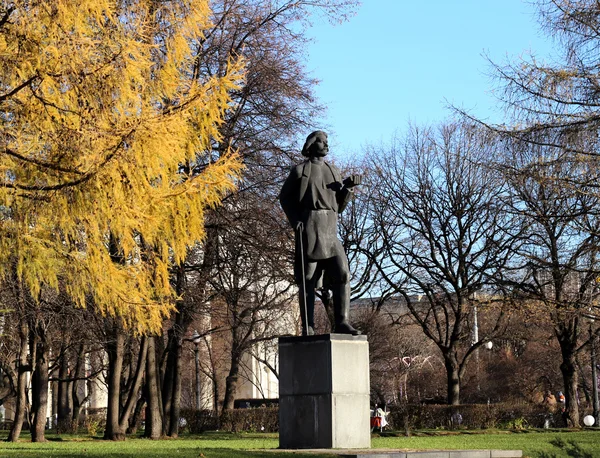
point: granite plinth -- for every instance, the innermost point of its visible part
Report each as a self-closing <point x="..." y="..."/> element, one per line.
<point x="324" y="392"/>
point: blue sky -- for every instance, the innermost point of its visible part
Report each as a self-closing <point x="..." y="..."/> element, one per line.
<point x="397" y="61"/>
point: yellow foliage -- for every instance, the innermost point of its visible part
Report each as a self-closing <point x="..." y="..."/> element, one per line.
<point x="98" y="111"/>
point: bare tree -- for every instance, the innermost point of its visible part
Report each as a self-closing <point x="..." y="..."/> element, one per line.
<point x="252" y="282"/>
<point x="360" y="241"/>
<point x="441" y="236"/>
<point x="275" y="104"/>
<point x="398" y="349"/>
<point x="46" y="331"/>
<point x="558" y="250"/>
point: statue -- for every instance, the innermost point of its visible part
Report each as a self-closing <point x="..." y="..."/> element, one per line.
<point x="312" y="196"/>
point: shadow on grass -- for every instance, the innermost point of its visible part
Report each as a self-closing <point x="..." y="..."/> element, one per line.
<point x="196" y="453"/>
<point x="571" y="448"/>
<point x="219" y="435"/>
<point x="220" y="453"/>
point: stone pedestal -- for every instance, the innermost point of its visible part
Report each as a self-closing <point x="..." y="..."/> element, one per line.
<point x="324" y="392"/>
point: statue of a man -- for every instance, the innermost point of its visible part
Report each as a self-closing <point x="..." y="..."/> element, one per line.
<point x="311" y="197"/>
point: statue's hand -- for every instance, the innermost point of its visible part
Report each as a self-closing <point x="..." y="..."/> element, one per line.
<point x="353" y="180"/>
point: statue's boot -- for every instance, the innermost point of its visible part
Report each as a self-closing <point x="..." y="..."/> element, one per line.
<point x="341" y="310"/>
<point x="308" y="332"/>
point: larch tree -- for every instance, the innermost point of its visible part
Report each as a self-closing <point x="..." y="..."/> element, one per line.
<point x="553" y="106"/>
<point x="99" y="107"/>
<point x="98" y="111"/>
<point x="559" y="96"/>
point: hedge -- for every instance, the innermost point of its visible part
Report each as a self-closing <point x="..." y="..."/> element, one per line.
<point x="198" y="421"/>
<point x="400" y="417"/>
<point x="472" y="416"/>
<point x="259" y="419"/>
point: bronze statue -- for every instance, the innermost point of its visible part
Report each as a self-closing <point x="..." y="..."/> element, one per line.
<point x="311" y="197"/>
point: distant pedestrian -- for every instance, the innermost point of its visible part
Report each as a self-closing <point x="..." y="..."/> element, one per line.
<point x="378" y="418"/>
<point x="550" y="401"/>
<point x="562" y="406"/>
<point x="382" y="414"/>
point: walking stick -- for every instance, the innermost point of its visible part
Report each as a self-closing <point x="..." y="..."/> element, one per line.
<point x="303" y="304"/>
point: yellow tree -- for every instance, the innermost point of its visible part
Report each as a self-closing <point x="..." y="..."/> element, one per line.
<point x="98" y="110"/>
<point x="99" y="107"/>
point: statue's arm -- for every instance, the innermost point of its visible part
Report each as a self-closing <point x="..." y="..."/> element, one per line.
<point x="289" y="197"/>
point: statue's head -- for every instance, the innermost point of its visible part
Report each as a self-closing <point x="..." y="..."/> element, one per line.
<point x="316" y="145"/>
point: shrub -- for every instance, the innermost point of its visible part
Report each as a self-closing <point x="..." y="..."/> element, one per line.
<point x="94" y="423"/>
<point x="260" y="419"/>
<point x="401" y="417"/>
<point x="472" y="416"/>
<point x="198" y="421"/>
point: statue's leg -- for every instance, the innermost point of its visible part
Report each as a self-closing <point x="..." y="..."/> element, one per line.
<point x="340" y="289"/>
<point x="310" y="284"/>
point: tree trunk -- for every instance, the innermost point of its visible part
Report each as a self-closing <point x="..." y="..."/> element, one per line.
<point x="21" y="401"/>
<point x="568" y="369"/>
<point x="569" y="374"/>
<point x="136" y="418"/>
<point x="63" y="412"/>
<point x="172" y="378"/>
<point x="134" y="390"/>
<point x="453" y="379"/>
<point x="231" y="382"/>
<point x="154" y="420"/>
<point x="169" y="378"/>
<point x="216" y="393"/>
<point x="78" y="387"/>
<point x="215" y="384"/>
<point x="176" y="386"/>
<point x="113" y="429"/>
<point x="39" y="386"/>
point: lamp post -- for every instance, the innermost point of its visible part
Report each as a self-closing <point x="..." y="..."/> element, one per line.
<point x="596" y="412"/>
<point x="475" y="340"/>
<point x="196" y="340"/>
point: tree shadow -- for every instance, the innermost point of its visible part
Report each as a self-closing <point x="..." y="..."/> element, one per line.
<point x="571" y="448"/>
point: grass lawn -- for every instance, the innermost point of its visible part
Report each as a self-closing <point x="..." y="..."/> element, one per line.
<point x="208" y="445"/>
<point x="534" y="443"/>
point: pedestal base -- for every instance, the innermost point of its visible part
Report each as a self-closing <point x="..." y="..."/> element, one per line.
<point x="324" y="392"/>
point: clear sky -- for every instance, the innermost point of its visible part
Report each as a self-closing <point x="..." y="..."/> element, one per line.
<point x="397" y="61"/>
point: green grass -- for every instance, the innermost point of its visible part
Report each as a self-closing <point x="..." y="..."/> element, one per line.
<point x="209" y="445"/>
<point x="534" y="443"/>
